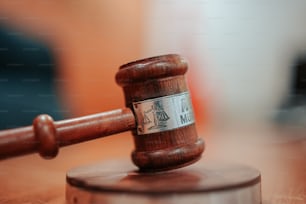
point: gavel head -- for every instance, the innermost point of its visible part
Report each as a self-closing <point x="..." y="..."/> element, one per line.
<point x="155" y="90"/>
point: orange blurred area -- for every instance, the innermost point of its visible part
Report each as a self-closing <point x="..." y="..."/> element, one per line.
<point x="90" y="41"/>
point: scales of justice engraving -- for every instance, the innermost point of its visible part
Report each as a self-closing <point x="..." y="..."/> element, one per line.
<point x="156" y="117"/>
<point x="163" y="113"/>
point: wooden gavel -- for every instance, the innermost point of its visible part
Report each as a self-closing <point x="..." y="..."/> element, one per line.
<point x="159" y="114"/>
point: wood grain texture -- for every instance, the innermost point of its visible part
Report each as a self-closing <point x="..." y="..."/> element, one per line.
<point x="46" y="136"/>
<point x="209" y="182"/>
<point x="156" y="77"/>
<point x="120" y="176"/>
<point x="143" y="79"/>
<point x="30" y="179"/>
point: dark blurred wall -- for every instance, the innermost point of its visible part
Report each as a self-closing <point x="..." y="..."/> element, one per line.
<point x="27" y="72"/>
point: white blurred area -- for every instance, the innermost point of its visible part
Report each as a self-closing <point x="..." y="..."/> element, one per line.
<point x="241" y="54"/>
<point x="243" y="50"/>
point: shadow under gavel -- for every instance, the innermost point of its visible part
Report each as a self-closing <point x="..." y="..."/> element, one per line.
<point x="159" y="114"/>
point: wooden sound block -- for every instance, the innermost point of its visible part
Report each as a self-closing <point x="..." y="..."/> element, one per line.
<point x="204" y="182"/>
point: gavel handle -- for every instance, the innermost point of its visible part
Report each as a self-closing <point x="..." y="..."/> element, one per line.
<point x="46" y="136"/>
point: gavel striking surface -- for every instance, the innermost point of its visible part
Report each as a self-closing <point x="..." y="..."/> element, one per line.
<point x="204" y="182"/>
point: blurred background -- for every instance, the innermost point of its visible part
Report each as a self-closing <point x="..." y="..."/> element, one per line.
<point x="247" y="74"/>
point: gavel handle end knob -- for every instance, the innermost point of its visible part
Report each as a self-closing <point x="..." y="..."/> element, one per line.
<point x="45" y="133"/>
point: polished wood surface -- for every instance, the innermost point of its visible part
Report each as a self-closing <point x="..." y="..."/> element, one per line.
<point x="121" y="177"/>
<point x="278" y="153"/>
<point x="156" y="77"/>
<point x="45" y="136"/>
<point x="209" y="183"/>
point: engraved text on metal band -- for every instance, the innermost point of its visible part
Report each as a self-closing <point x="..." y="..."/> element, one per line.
<point x="163" y="113"/>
